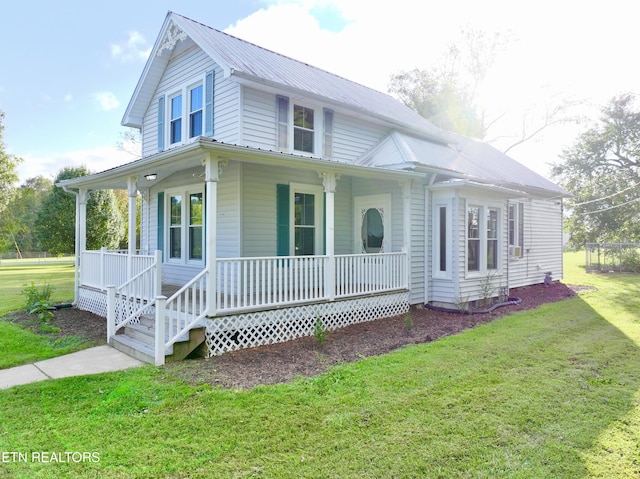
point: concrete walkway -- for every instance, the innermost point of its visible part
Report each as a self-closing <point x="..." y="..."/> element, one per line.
<point x="100" y="359"/>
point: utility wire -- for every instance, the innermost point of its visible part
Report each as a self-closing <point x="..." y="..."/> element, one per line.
<point x="609" y="208"/>
<point x="607" y="197"/>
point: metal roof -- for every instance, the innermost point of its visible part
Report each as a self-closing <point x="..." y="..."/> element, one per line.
<point x="467" y="158"/>
<point x="247" y="61"/>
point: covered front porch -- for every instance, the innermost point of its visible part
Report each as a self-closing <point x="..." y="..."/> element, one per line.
<point x="226" y="288"/>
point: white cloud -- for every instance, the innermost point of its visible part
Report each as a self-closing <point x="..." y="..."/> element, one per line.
<point x="106" y="100"/>
<point x="135" y="48"/>
<point x="96" y="160"/>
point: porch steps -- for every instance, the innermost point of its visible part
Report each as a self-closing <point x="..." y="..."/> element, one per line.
<point x="138" y="340"/>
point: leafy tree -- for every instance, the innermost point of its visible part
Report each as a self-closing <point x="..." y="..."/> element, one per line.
<point x="602" y="171"/>
<point x="8" y="173"/>
<point x="447" y="95"/>
<point x="55" y="223"/>
<point x="18" y="223"/>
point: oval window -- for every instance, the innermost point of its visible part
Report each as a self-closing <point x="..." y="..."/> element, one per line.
<point x="372" y="231"/>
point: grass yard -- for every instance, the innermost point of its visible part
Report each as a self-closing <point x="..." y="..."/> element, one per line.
<point x="14" y="277"/>
<point x="18" y="345"/>
<point x="549" y="393"/>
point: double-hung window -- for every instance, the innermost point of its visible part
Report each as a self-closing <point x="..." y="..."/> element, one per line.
<point x="175" y="128"/>
<point x="303" y="129"/>
<point x="305" y="124"/>
<point x="195" y="111"/>
<point x="483" y="238"/>
<point x="186" y="112"/>
<point x="185" y="235"/>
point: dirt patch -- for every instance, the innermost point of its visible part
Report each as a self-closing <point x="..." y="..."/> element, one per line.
<point x="284" y="362"/>
<point x="65" y="322"/>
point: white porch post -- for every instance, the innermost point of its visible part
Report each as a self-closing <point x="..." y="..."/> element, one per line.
<point x="81" y="236"/>
<point x="329" y="181"/>
<point x="406" y="226"/>
<point x="132" y="189"/>
<point x="212" y="176"/>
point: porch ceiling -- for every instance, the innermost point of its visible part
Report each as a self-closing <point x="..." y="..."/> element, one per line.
<point x="192" y="155"/>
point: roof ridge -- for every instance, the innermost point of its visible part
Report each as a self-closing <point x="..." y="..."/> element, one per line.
<point x="281" y="55"/>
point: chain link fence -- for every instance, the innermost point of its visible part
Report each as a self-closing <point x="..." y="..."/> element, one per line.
<point x="613" y="257"/>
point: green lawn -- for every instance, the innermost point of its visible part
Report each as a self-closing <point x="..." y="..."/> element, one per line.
<point x="550" y="393"/>
<point x="14" y="277"/>
<point x="18" y="345"/>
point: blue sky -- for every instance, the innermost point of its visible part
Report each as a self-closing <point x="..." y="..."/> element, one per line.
<point x="68" y="68"/>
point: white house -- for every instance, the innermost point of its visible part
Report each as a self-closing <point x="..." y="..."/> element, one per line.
<point x="276" y="195"/>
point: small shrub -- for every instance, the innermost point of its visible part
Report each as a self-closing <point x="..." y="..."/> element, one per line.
<point x="319" y="331"/>
<point x="408" y="321"/>
<point x="38" y="301"/>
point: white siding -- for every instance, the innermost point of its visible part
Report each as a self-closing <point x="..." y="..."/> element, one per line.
<point x="258" y="119"/>
<point x="418" y="244"/>
<point x="353" y="137"/>
<point x="188" y="67"/>
<point x="228" y="218"/>
<point x="542" y="244"/>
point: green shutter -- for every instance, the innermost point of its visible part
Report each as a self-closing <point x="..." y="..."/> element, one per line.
<point x="208" y="103"/>
<point x="161" y="123"/>
<point x="282" y="220"/>
<point x="161" y="221"/>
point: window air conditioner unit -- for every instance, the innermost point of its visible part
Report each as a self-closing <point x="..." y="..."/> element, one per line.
<point x="515" y="251"/>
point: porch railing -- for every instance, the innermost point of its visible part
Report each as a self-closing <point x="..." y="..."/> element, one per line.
<point x="127" y="302"/>
<point x="252" y="283"/>
<point x="101" y="268"/>
<point x="178" y="314"/>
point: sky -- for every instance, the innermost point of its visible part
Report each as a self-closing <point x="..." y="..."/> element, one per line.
<point x="68" y="68"/>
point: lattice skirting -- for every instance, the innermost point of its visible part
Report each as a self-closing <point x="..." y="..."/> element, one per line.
<point x="247" y="330"/>
<point x="96" y="302"/>
<point x="93" y="301"/>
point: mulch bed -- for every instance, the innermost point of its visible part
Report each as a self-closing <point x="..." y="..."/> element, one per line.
<point x="278" y="363"/>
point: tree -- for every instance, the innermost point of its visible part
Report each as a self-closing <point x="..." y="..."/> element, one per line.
<point x="55" y="223"/>
<point x="18" y="223"/>
<point x="8" y="174"/>
<point x="602" y="171"/>
<point x="447" y="95"/>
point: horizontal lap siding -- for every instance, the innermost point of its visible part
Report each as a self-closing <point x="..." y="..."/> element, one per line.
<point x="258" y="119"/>
<point x="184" y="68"/>
<point x="542" y="244"/>
<point x="352" y="138"/>
<point x="259" y="185"/>
<point x="228" y="219"/>
<point x="418" y="242"/>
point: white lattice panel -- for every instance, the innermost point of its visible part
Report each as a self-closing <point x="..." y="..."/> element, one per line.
<point x="96" y="303"/>
<point x="247" y="330"/>
<point x="93" y="301"/>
